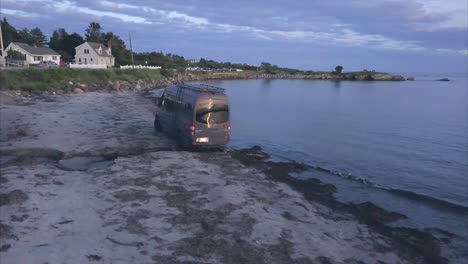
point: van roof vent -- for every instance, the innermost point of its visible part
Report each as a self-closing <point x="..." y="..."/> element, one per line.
<point x="203" y="88"/>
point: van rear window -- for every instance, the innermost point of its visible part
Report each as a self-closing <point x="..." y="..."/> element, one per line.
<point x="217" y="114"/>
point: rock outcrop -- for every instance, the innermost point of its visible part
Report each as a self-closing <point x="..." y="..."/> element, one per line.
<point x="120" y="85"/>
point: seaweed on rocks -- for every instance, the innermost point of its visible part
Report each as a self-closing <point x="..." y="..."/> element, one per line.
<point x="412" y="244"/>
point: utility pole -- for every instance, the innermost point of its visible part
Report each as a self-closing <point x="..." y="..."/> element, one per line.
<point x="2" y="60"/>
<point x="131" y="49"/>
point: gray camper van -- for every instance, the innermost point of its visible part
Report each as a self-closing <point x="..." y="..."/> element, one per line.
<point x="197" y="115"/>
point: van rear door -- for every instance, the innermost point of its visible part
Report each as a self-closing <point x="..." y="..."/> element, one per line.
<point x="211" y="122"/>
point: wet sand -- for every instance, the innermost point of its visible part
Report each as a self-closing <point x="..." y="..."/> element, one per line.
<point x="84" y="178"/>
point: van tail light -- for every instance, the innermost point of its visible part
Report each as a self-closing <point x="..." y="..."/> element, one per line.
<point x="229" y="129"/>
<point x="192" y="129"/>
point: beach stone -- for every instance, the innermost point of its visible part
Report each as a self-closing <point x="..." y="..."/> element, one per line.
<point x="14" y="197"/>
<point x="78" y="91"/>
<point x="411" y="78"/>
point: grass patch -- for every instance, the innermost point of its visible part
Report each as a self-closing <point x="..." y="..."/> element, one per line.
<point x="42" y="79"/>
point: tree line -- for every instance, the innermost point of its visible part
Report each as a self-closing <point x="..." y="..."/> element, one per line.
<point x="64" y="43"/>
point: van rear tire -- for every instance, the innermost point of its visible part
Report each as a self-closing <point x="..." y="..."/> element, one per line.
<point x="157" y="124"/>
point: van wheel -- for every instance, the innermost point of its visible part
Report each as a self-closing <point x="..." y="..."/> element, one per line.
<point x="157" y="124"/>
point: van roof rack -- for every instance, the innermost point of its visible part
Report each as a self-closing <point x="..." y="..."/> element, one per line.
<point x="203" y="88"/>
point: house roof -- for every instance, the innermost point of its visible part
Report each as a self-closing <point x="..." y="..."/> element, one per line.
<point x="96" y="46"/>
<point x="36" y="50"/>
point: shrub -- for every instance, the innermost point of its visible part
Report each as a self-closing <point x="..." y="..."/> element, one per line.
<point x="165" y="72"/>
<point x="16" y="55"/>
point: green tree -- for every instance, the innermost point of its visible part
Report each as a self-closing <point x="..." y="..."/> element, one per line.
<point x="10" y="34"/>
<point x="57" y="38"/>
<point x="37" y="37"/>
<point x="25" y="36"/>
<point x="54" y="42"/>
<point x="202" y="63"/>
<point x="118" y="48"/>
<point x="93" y="32"/>
<point x="339" y="69"/>
<point x="70" y="42"/>
<point x="268" y="68"/>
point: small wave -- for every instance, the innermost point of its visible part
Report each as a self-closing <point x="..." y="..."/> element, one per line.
<point x="432" y="201"/>
<point x="439" y="203"/>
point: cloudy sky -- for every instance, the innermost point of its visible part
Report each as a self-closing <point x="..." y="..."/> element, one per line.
<point x="385" y="35"/>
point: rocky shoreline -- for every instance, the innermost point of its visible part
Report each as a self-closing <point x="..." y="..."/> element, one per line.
<point x="121" y="193"/>
<point x="414" y="245"/>
<point x="121" y="85"/>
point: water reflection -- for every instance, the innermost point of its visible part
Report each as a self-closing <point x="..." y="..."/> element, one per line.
<point x="265" y="86"/>
<point x="337" y="84"/>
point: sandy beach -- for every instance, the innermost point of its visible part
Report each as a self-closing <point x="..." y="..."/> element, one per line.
<point x="84" y="178"/>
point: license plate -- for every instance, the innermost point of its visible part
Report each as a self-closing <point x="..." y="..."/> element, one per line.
<point x="202" y="139"/>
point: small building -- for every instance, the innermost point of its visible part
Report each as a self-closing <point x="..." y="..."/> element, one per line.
<point x="191" y="61"/>
<point x="92" y="53"/>
<point x="34" y="55"/>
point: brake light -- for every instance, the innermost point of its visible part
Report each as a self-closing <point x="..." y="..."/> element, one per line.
<point x="192" y="129"/>
<point x="229" y="129"/>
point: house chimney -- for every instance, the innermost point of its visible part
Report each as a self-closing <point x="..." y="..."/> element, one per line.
<point x="109" y="45"/>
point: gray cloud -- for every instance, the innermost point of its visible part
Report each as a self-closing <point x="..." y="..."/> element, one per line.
<point x="206" y="28"/>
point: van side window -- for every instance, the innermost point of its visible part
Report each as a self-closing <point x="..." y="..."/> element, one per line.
<point x="169" y="105"/>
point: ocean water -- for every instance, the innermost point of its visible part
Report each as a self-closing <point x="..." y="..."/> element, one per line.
<point x="401" y="145"/>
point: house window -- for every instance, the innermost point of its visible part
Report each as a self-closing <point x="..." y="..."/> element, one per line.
<point x="37" y="58"/>
<point x="100" y="50"/>
<point x="54" y="57"/>
<point x="86" y="51"/>
<point x="90" y="59"/>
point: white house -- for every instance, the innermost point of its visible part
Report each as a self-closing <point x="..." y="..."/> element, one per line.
<point x="92" y="53"/>
<point x="34" y="55"/>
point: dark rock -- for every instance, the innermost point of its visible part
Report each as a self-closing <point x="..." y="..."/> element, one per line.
<point x="133" y="195"/>
<point x="21" y="218"/>
<point x="65" y="222"/>
<point x="5" y="247"/>
<point x="5" y="231"/>
<point x="411" y="78"/>
<point x="94" y="257"/>
<point x="368" y="209"/>
<point x="14" y="197"/>
<point x="444" y="80"/>
<point x="29" y="156"/>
